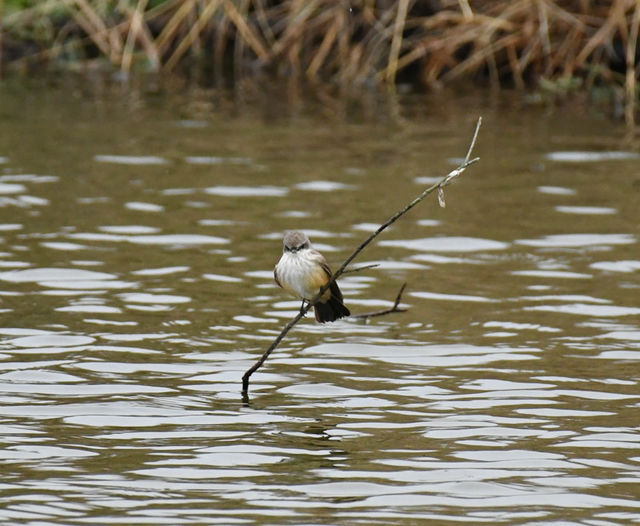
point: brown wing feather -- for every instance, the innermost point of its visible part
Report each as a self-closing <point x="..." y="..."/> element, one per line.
<point x="325" y="266"/>
<point x="275" y="277"/>
<point x="331" y="308"/>
<point x="335" y="290"/>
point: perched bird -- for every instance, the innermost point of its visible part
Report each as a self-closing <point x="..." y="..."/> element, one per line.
<point x="302" y="271"/>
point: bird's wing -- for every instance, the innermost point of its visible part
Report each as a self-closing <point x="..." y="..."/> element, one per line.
<point x="275" y="276"/>
<point x="335" y="290"/>
<point x="319" y="258"/>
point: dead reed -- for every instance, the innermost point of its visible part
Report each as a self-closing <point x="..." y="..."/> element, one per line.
<point x="505" y="42"/>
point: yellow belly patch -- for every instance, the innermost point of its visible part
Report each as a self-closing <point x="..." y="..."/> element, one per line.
<point x="317" y="280"/>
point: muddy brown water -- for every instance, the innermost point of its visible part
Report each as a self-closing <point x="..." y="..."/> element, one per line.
<point x="139" y="235"/>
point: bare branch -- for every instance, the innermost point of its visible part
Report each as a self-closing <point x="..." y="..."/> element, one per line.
<point x="437" y="186"/>
<point x="382" y="312"/>
<point x="473" y="141"/>
<point x="360" y="269"/>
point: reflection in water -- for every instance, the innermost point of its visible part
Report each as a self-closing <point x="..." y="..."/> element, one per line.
<point x="579" y="157"/>
<point x="580" y="240"/>
<point x="247" y="191"/>
<point x="129" y="159"/>
<point x="586" y="210"/>
<point x="556" y="190"/>
<point x="447" y="244"/>
<point x="137" y="287"/>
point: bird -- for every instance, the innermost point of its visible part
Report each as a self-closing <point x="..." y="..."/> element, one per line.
<point x="302" y="271"/>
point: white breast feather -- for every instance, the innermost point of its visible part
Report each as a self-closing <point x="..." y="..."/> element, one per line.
<point x="293" y="271"/>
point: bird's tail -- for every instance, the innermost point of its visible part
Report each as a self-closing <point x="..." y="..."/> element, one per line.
<point x="331" y="310"/>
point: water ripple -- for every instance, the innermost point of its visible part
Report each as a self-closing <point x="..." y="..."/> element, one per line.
<point x="506" y="393"/>
<point x="446" y="244"/>
<point x="247" y="191"/>
<point x="586" y="156"/>
<point x="578" y="240"/>
<point x="135" y="160"/>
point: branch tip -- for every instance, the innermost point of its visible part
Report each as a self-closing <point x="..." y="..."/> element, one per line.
<point x="382" y="312"/>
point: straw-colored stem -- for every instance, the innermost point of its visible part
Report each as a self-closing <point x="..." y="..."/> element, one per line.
<point x="352" y="42"/>
<point x="605" y="33"/>
<point x="135" y="33"/>
<point x="195" y="30"/>
<point x="95" y="29"/>
<point x="245" y="31"/>
<point x="396" y="42"/>
<point x="466" y="9"/>
<point x="323" y="50"/>
<point x="173" y="25"/>
<point x="631" y="73"/>
<point x="1" y="21"/>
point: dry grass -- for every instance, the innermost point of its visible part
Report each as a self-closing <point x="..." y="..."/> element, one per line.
<point x="509" y="42"/>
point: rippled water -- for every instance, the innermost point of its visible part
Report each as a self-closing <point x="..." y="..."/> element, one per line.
<point x="139" y="237"/>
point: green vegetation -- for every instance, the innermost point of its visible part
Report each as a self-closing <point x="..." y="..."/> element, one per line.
<point x="511" y="43"/>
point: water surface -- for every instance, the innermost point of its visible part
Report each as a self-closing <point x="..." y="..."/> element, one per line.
<point x="139" y="235"/>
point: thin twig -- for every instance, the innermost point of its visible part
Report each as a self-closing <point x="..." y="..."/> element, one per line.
<point x="437" y="186"/>
<point x="382" y="312"/>
<point x="360" y="269"/>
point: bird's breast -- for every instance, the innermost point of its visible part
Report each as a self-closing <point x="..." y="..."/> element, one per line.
<point x="300" y="276"/>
